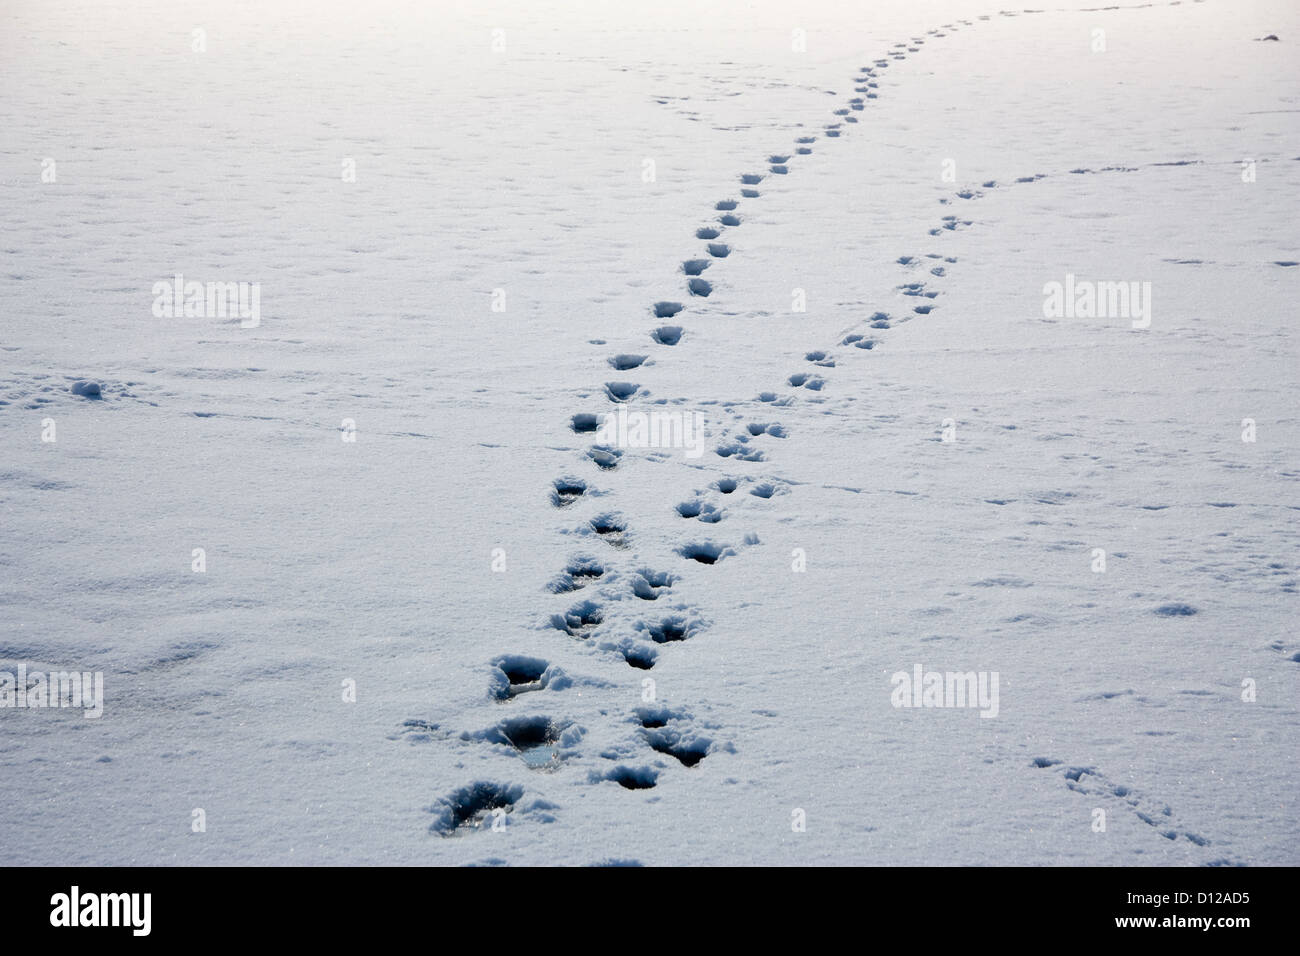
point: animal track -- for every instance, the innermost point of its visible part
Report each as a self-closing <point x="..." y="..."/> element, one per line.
<point x="693" y="267"/>
<point x="699" y="287"/>
<point x="719" y="250"/>
<point x="666" y="310"/>
<point x="1088" y="781"/>
<point x="585" y="422"/>
<point x="707" y="232"/>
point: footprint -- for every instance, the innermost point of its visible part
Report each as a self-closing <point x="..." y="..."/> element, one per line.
<point x="666" y="310"/>
<point x="749" y="193"/>
<point x="605" y="457"/>
<point x="726" y="205"/>
<point x="620" y="391"/>
<point x="669" y="630"/>
<point x="580" y="620"/>
<point x="579" y="573"/>
<point x="647" y="584"/>
<point x="585" y="422"/>
<point x="804" y="380"/>
<point x="699" y="287"/>
<point x="751" y="179"/>
<point x="517" y="675"/>
<point x="778" y="160"/>
<point x="729" y="220"/>
<point x="726" y="485"/>
<point x="775" y="430"/>
<point x="693" y="267"/>
<point x="706" y="232"/>
<point x="719" y="250"/>
<point x="738" y="449"/>
<point x="667" y="334"/>
<point x="535" y="739"/>
<point x="688" y="750"/>
<point x="880" y="320"/>
<point x="567" y="491"/>
<point x="612" y="529"/>
<point x="467" y="807"/>
<point x="623" y="363"/>
<point x="638" y="656"/>
<point x="631" y="778"/>
<point x="779" y="170"/>
<point x="705" y="552"/>
<point x="817" y="358"/>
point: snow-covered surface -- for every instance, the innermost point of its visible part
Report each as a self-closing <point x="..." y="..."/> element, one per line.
<point x="521" y="169"/>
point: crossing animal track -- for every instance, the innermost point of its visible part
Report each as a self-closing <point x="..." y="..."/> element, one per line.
<point x="602" y="622"/>
<point x="1090" y="782"/>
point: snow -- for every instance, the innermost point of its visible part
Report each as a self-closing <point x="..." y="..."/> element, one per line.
<point x="387" y="486"/>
